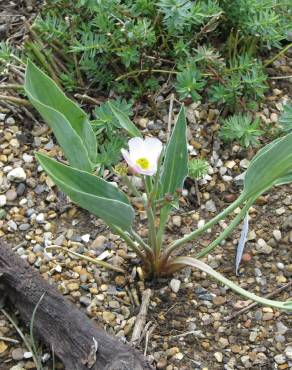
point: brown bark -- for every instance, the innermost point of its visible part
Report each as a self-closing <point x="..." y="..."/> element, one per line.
<point x="60" y="324"/>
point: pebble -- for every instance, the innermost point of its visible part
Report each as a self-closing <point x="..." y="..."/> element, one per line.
<point x="72" y="287"/>
<point x="280" y="359"/>
<point x="20" y="189"/>
<point x="176" y="220"/>
<point x="98" y="242"/>
<point x="218" y="356"/>
<point x="108" y="316"/>
<point x="288" y="352"/>
<point x="244" y="163"/>
<point x="40" y="218"/>
<point x="12" y="225"/>
<point x="17" y="354"/>
<point x="280" y="211"/>
<point x="274" y="117"/>
<point x="27" y="158"/>
<point x="86" y="301"/>
<point x="85" y="238"/>
<point x="210" y="206"/>
<point x="17" y="175"/>
<point x="3" y="200"/>
<point x="281" y="328"/>
<point x="263" y="248"/>
<point x="11" y="195"/>
<point x="277" y="235"/>
<point x="175" y="285"/>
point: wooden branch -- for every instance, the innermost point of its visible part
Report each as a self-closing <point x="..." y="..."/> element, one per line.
<point x="141" y="318"/>
<point x="76" y="340"/>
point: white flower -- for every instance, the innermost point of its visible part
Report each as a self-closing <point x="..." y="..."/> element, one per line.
<point x="143" y="155"/>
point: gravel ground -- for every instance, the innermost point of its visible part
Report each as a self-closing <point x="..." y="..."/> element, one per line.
<point x="194" y="323"/>
<point x="187" y="314"/>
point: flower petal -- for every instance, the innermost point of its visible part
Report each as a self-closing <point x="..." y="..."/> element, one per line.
<point x="153" y="148"/>
<point x="130" y="162"/>
<point x="136" y="148"/>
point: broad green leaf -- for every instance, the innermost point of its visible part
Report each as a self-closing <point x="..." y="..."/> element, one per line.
<point x="286" y="118"/>
<point x="69" y="123"/>
<point x="124" y="121"/>
<point x="193" y="262"/>
<point x="272" y="164"/>
<point x="90" y="192"/>
<point x="175" y="165"/>
<point x="285" y="179"/>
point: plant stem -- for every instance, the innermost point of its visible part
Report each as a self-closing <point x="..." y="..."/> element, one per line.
<point x="131" y="243"/>
<point x="226" y="231"/>
<point x="132" y="187"/>
<point x="281" y="52"/>
<point x="146" y="247"/>
<point x="14" y="100"/>
<point x="151" y="217"/>
<point x="11" y="87"/>
<point x="142" y="71"/>
<point x="202" y="229"/>
<point x="22" y="336"/>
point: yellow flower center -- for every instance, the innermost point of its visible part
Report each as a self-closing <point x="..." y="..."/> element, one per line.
<point x="143" y="163"/>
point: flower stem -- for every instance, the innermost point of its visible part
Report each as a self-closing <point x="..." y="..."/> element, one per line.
<point x="131" y="243"/>
<point x="202" y="229"/>
<point x="132" y="187"/>
<point x="144" y="245"/>
<point x="226" y="231"/>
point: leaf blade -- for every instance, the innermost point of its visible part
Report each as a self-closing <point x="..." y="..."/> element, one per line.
<point x="271" y="164"/>
<point x="90" y="192"/>
<point x="175" y="166"/>
<point x="193" y="262"/>
<point x="67" y="120"/>
<point x="124" y="121"/>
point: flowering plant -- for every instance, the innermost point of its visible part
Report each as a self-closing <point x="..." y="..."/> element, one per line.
<point x="163" y="171"/>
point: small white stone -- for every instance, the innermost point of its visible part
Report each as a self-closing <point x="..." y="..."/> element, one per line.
<point x="176" y="220"/>
<point x="210" y="206"/>
<point x="222" y="171"/>
<point x="218" y="356"/>
<point x="27" y="158"/>
<point x="244" y="163"/>
<point x="280" y="359"/>
<point x="274" y="117"/>
<point x="40" y="218"/>
<point x="10" y="121"/>
<point x="17" y="175"/>
<point x="58" y="268"/>
<point x="201" y="223"/>
<point x="277" y="235"/>
<point x="175" y="285"/>
<point x="27" y="355"/>
<point x="280" y="265"/>
<point x="288" y="352"/>
<point x="230" y="164"/>
<point x="12" y="225"/>
<point x="227" y="178"/>
<point x="3" y="200"/>
<point x="280" y="211"/>
<point x="85" y="238"/>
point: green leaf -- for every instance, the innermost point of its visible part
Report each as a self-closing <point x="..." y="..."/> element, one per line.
<point x="90" y="192"/>
<point x="175" y="166"/>
<point x="286" y="118"/>
<point x="124" y="121"/>
<point x="269" y="167"/>
<point x="69" y="123"/>
<point x="193" y="262"/>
